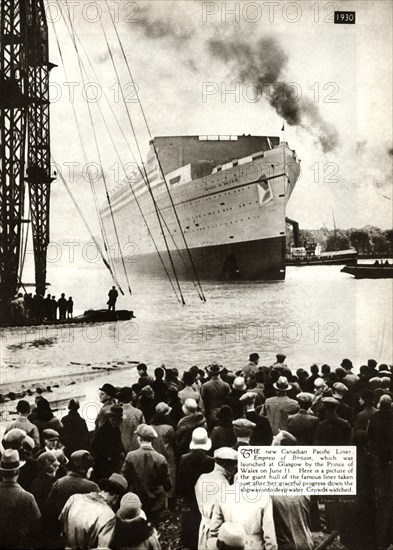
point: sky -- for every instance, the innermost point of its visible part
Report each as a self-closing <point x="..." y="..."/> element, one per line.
<point x="210" y="68"/>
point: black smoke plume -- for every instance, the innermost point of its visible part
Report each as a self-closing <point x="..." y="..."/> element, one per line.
<point x="262" y="64"/>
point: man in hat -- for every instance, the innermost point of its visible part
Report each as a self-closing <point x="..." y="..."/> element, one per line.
<point x="192" y="465"/>
<point x="350" y="377"/>
<point x="132" y="418"/>
<point x="292" y="515"/>
<point x="193" y="419"/>
<point x="223" y="434"/>
<point x="88" y="520"/>
<point x="281" y="366"/>
<point x="144" y="378"/>
<point x="303" y="424"/>
<point x="366" y="401"/>
<point x="380" y="431"/>
<point x="278" y="408"/>
<point x="112" y="295"/>
<point x="132" y="529"/>
<point x="75" y="482"/>
<point x="23" y="423"/>
<point x="51" y="441"/>
<point x="212" y="487"/>
<point x="75" y="434"/>
<point x="243" y="430"/>
<point x="254" y="515"/>
<point x="214" y="394"/>
<point x="107" y="398"/>
<point x="239" y="388"/>
<point x="333" y="430"/>
<point x="20" y="515"/>
<point x="81" y="462"/>
<point x="344" y="411"/>
<point x="188" y="390"/>
<point x="147" y="474"/>
<point x="262" y="434"/>
<point x="250" y="369"/>
<point x="107" y="446"/>
<point x="48" y="465"/>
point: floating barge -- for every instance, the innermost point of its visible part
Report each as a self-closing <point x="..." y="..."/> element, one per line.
<point x="89" y="316"/>
<point x="369" y="271"/>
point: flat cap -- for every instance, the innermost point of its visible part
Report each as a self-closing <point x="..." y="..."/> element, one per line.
<point x="339" y="388"/>
<point x="109" y="390"/>
<point x="330" y="402"/>
<point x="248" y="397"/>
<point x="225" y="453"/>
<point x="243" y="427"/>
<point x="50" y="435"/>
<point x="14" y="438"/>
<point x="305" y="397"/>
<point x="146" y="432"/>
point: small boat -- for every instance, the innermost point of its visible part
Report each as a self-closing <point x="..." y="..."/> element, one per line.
<point x="370" y="271"/>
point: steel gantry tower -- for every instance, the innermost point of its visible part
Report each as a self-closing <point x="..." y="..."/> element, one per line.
<point x="24" y="135"/>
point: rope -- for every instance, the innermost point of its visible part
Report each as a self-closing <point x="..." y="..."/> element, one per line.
<point x="98" y="149"/>
<point x="102" y="228"/>
<point x="145" y="172"/>
<point x="131" y="152"/>
<point x="201" y="294"/>
<point x="87" y="226"/>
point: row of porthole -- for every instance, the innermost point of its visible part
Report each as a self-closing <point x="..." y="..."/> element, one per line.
<point x="188" y="230"/>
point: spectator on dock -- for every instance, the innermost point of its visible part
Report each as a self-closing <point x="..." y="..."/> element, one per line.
<point x="42" y="416"/>
<point x="147" y="474"/>
<point x="107" y="397"/>
<point x="303" y="424"/>
<point x="278" y="408"/>
<point x="20" y="515"/>
<point x="144" y="378"/>
<point x="54" y="307"/>
<point x="132" y="418"/>
<point x="48" y="465"/>
<point x="23" y="423"/>
<point x="107" y="446"/>
<point x="250" y="369"/>
<point x="62" y="304"/>
<point x="112" y="295"/>
<point x="223" y="435"/>
<point x="131" y="529"/>
<point x="191" y="466"/>
<point x="70" y="308"/>
<point x="214" y="393"/>
<point x="75" y="433"/>
<point x="88" y="520"/>
<point x="333" y="430"/>
<point x="219" y="479"/>
<point x="159" y="386"/>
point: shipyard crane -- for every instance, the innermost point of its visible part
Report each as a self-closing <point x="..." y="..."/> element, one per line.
<point x="25" y="142"/>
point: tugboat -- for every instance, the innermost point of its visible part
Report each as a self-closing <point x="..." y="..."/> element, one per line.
<point x="377" y="270"/>
<point x="310" y="253"/>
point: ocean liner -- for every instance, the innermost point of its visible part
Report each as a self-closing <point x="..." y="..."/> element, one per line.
<point x="229" y="194"/>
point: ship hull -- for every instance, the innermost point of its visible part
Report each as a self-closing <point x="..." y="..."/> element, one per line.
<point x="232" y="217"/>
<point x="252" y="260"/>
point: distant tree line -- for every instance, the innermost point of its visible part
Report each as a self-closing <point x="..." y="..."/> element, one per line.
<point x="367" y="240"/>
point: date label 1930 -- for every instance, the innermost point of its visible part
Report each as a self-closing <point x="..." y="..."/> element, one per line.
<point x="344" y="17"/>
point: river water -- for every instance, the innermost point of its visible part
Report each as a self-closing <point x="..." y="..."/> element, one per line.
<point x="316" y="315"/>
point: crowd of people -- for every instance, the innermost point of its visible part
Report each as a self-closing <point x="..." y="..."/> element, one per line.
<point x="40" y="309"/>
<point x="167" y="438"/>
